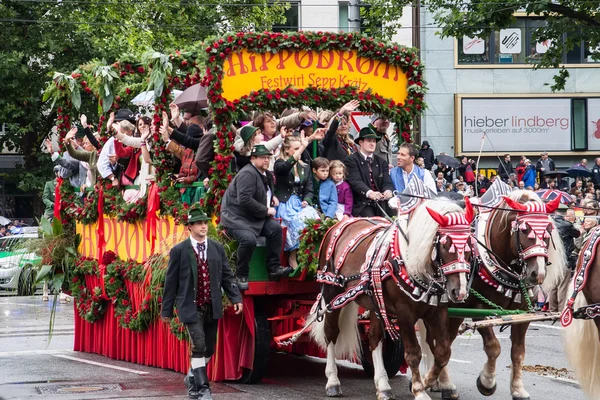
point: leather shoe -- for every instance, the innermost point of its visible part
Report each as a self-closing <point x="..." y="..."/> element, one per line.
<point x="242" y="282"/>
<point x="202" y="384"/>
<point x="191" y="385"/>
<point x="276" y="274"/>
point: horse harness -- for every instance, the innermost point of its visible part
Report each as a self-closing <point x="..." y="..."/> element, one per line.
<point x="496" y="273"/>
<point x="383" y="260"/>
<point x="585" y="261"/>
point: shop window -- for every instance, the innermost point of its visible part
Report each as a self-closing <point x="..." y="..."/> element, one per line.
<point x="292" y="19"/>
<point x="579" y="134"/>
<point x="343" y="17"/>
<point x="517" y="45"/>
<point x="473" y="50"/>
<point x="511" y="44"/>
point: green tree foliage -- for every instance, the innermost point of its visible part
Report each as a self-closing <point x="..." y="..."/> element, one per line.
<point x="575" y="20"/>
<point x="44" y="36"/>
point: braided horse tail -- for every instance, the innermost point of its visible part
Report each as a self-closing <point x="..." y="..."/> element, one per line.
<point x="582" y="345"/>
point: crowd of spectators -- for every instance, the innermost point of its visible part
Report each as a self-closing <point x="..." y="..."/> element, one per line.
<point x="315" y="166"/>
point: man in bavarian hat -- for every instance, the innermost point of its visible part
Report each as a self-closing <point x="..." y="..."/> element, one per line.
<point x="368" y="176"/>
<point x="198" y="270"/>
<point x="247" y="212"/>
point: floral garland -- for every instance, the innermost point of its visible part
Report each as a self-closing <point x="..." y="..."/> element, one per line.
<point x="138" y="320"/>
<point x="89" y="301"/>
<point x="310" y="240"/>
<point x="133" y="212"/>
<point x="226" y="111"/>
<point x="114" y="282"/>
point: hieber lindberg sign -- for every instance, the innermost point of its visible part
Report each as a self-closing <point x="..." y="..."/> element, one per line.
<point x="516" y="125"/>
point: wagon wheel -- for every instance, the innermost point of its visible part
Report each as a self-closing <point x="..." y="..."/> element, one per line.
<point x="393" y="357"/>
<point x="262" y="345"/>
<point x="26" y="284"/>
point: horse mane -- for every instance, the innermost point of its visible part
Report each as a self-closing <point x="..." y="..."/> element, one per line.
<point x="422" y="229"/>
<point x="556" y="251"/>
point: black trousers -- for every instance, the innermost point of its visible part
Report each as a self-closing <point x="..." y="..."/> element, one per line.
<point x="203" y="334"/>
<point x="247" y="243"/>
<point x="371" y="210"/>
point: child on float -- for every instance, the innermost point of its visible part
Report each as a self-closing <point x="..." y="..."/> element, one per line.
<point x="325" y="192"/>
<point x="337" y="171"/>
<point x="294" y="190"/>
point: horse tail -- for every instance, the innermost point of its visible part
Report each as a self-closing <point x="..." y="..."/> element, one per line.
<point x="427" y="359"/>
<point x="317" y="332"/>
<point x="582" y="345"/>
<point x="347" y="344"/>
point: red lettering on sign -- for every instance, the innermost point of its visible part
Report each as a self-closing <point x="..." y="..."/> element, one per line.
<point x="87" y="240"/>
<point x="266" y="58"/>
<point x="284" y="55"/>
<point x="360" y="63"/>
<point x="322" y="61"/>
<point x="343" y="60"/>
<point x="230" y="70"/>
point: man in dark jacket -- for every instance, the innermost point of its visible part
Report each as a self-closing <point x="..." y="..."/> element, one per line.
<point x="426" y="153"/>
<point x="544" y="165"/>
<point x="198" y="270"/>
<point x="368" y="176"/>
<point x="568" y="233"/>
<point x="596" y="173"/>
<point x="246" y="213"/>
<point x="505" y="168"/>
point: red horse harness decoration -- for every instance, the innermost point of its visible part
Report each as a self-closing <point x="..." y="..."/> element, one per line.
<point x="534" y="215"/>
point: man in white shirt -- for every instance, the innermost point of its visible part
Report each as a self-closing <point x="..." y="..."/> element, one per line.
<point x="407" y="170"/>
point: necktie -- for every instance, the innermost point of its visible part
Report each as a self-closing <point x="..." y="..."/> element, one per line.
<point x="370" y="162"/>
<point x="201" y="247"/>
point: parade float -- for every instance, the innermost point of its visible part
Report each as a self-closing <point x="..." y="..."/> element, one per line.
<point x="117" y="277"/>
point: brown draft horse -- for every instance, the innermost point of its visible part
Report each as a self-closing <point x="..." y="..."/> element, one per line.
<point x="431" y="248"/>
<point x="582" y="336"/>
<point x="520" y="241"/>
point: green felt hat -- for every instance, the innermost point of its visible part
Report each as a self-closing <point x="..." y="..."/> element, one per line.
<point x="196" y="215"/>
<point x="247" y="132"/>
<point x="260" y="150"/>
<point x="368" y="133"/>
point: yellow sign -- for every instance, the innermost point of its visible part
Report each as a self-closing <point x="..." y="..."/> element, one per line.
<point x="128" y="241"/>
<point x="244" y="72"/>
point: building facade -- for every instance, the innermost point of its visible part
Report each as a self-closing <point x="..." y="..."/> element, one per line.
<point x="488" y="85"/>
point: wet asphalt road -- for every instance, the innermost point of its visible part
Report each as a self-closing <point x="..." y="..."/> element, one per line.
<point x="32" y="369"/>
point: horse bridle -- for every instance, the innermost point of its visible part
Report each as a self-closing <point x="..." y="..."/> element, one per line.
<point x="460" y="236"/>
<point x="538" y="230"/>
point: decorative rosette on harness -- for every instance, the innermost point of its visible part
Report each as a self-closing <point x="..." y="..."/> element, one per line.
<point x="457" y="228"/>
<point x="533" y="215"/>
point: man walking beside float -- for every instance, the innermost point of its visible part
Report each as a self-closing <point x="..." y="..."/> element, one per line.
<point x="198" y="270"/>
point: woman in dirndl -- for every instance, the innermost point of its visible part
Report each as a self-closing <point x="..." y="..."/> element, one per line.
<point x="294" y="190"/>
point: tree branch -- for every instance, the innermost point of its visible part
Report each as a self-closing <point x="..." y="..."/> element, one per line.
<point x="569" y="12"/>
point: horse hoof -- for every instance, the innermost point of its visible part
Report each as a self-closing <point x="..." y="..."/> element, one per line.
<point x="521" y="398"/>
<point x="45" y="298"/>
<point x="334" y="391"/>
<point x="435" y="388"/>
<point x="385" y="395"/>
<point x="450" y="394"/>
<point x="483" y="390"/>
